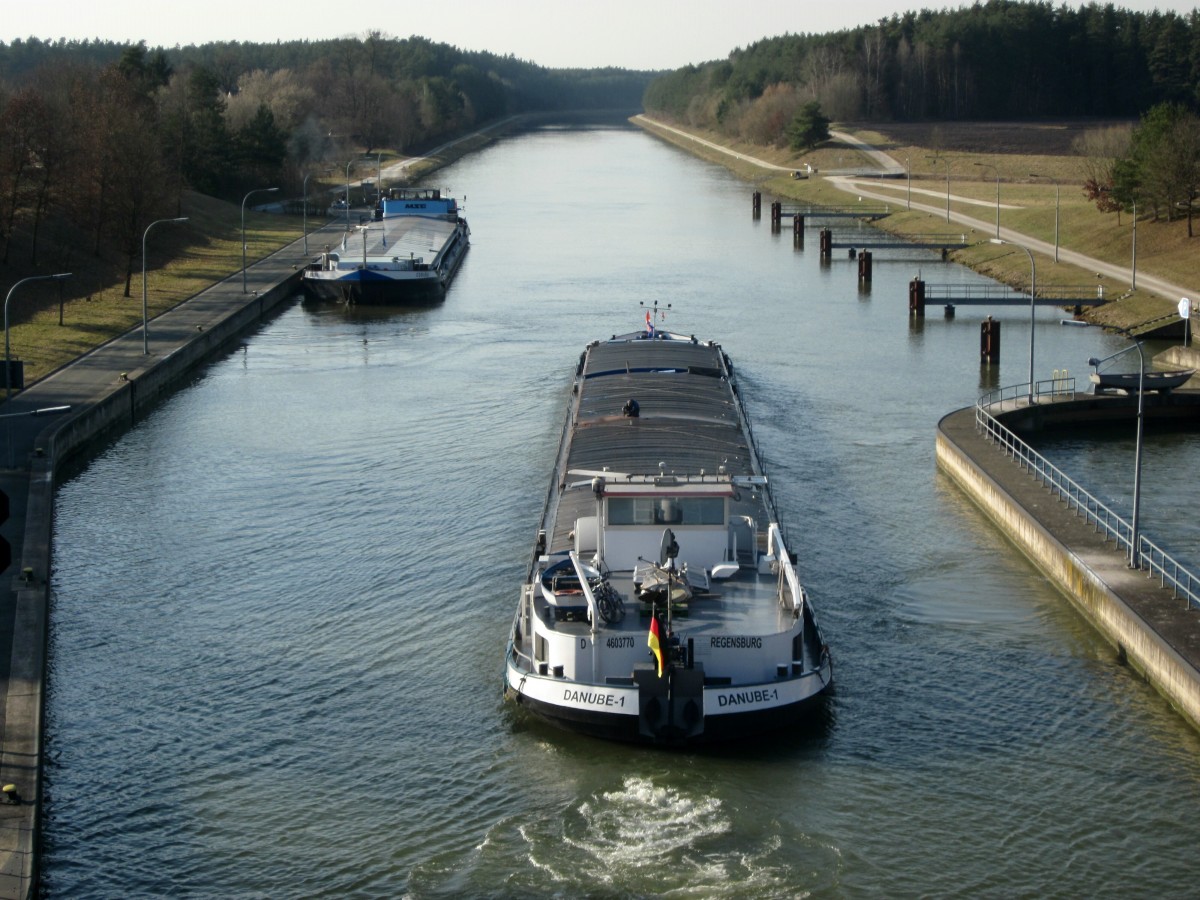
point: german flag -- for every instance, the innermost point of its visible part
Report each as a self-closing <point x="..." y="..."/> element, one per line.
<point x="655" y="644"/>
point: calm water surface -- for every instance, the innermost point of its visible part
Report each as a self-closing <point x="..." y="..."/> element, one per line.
<point x="281" y="601"/>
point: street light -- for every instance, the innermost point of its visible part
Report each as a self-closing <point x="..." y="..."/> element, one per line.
<point x="304" y="214"/>
<point x="348" y="165"/>
<point x="1032" y="294"/>
<point x="1133" y="262"/>
<point x="145" y="318"/>
<point x="997" y="171"/>
<point x="1057" y="188"/>
<point x="936" y="160"/>
<point x="244" y="199"/>
<point x="1135" y="556"/>
<point x="7" y="366"/>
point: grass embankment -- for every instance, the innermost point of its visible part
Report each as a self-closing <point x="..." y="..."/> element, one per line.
<point x="977" y="154"/>
<point x="183" y="259"/>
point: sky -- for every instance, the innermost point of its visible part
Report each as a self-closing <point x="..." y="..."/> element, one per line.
<point x="630" y="34"/>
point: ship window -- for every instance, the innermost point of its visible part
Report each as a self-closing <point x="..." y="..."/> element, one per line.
<point x="703" y="510"/>
<point x="666" y="511"/>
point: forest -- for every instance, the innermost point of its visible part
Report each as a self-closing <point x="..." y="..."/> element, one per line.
<point x="101" y="138"/>
<point x="999" y="60"/>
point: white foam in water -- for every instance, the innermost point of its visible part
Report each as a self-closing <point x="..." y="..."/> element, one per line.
<point x="641" y="825"/>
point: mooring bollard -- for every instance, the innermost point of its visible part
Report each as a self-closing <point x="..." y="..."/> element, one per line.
<point x="916" y="298"/>
<point x="864" y="266"/>
<point x="989" y="341"/>
<point x="776" y="215"/>
<point x="826" y="243"/>
<point x="756" y="204"/>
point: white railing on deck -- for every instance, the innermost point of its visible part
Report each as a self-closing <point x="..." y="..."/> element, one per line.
<point x="593" y="607"/>
<point x="1151" y="558"/>
<point x="787" y="571"/>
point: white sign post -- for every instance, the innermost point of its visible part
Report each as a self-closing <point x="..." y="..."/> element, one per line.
<point x="1185" y="313"/>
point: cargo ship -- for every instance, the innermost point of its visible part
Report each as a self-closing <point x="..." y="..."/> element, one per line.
<point x="406" y="255"/>
<point x="662" y="602"/>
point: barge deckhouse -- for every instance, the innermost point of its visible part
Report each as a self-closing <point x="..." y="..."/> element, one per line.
<point x="662" y="603"/>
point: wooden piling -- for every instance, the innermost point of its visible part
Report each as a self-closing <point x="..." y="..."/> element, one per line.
<point x="916" y="298"/>
<point x="989" y="341"/>
<point x="864" y="266"/>
<point x="756" y="204"/>
<point x="826" y="243"/>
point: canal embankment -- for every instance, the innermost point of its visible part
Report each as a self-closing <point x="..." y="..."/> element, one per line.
<point x="1151" y="628"/>
<point x="46" y="426"/>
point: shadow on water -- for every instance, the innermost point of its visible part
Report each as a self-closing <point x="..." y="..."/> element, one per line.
<point x="808" y="737"/>
<point x="345" y="312"/>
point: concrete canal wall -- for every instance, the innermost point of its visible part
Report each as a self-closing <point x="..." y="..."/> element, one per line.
<point x="1150" y="628"/>
<point x="107" y="390"/>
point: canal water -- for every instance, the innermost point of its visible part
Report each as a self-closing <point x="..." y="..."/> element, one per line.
<point x="281" y="600"/>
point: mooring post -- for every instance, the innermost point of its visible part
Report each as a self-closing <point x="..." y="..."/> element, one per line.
<point x="756" y="204"/>
<point x="989" y="341"/>
<point x="864" y="266"/>
<point x="776" y="215"/>
<point x="916" y="298"/>
<point x="798" y="228"/>
<point x="826" y="243"/>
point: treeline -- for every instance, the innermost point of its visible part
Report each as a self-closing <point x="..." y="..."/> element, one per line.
<point x="106" y="137"/>
<point x="996" y="60"/>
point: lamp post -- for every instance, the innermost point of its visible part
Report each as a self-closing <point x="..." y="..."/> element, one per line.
<point x="304" y="213"/>
<point x="145" y="316"/>
<point x="1135" y="556"/>
<point x="997" y="171"/>
<point x="244" y="199"/>
<point x="1057" y="188"/>
<point x="1133" y="261"/>
<point x="7" y="367"/>
<point x="348" y="165"/>
<point x="1032" y="294"/>
<point x="908" y="171"/>
<point x="936" y="160"/>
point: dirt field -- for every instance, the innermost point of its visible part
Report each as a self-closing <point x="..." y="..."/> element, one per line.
<point x="1020" y="138"/>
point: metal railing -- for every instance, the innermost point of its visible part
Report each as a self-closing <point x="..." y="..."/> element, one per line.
<point x="1001" y="293"/>
<point x="793" y="598"/>
<point x="1059" y="388"/>
<point x="1151" y="558"/>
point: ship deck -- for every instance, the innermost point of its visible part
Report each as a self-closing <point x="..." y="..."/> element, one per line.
<point x="690" y="422"/>
<point x="745" y="604"/>
<point x="399" y="236"/>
